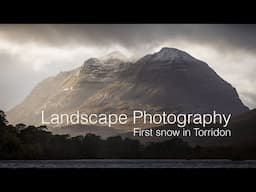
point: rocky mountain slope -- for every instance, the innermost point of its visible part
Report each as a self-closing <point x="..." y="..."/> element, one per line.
<point x="169" y="80"/>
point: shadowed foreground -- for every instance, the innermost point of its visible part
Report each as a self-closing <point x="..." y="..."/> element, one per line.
<point x="30" y="142"/>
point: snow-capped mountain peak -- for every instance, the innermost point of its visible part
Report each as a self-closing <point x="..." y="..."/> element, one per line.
<point x="171" y="54"/>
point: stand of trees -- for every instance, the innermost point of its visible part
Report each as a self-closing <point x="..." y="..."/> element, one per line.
<point x="31" y="142"/>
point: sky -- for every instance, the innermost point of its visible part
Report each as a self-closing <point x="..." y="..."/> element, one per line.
<point x="30" y="53"/>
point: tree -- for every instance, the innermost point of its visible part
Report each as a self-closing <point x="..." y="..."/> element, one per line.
<point x="3" y="120"/>
<point x="20" y="126"/>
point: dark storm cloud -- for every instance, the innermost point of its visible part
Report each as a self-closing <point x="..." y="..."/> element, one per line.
<point x="132" y="36"/>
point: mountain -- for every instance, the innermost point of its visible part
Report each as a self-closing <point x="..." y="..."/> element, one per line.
<point x="169" y="80"/>
<point x="177" y="81"/>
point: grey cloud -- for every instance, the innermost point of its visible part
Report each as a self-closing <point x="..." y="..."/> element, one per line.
<point x="15" y="80"/>
<point x="133" y="35"/>
<point x="249" y="98"/>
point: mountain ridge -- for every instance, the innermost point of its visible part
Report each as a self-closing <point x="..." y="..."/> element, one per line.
<point x="168" y="80"/>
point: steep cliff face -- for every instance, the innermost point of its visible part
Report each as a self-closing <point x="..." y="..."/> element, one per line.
<point x="169" y="80"/>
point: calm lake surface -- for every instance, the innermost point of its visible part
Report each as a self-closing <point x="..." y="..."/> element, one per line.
<point x="117" y="163"/>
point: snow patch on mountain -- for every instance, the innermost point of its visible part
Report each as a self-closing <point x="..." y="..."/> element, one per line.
<point x="171" y="54"/>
